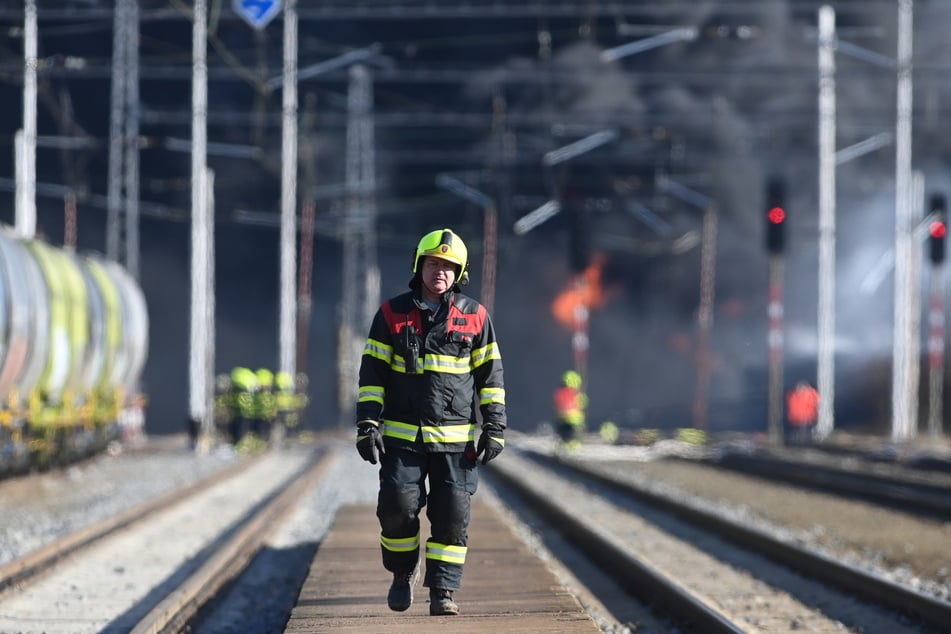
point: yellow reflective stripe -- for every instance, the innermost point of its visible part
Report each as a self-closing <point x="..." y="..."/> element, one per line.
<point x="444" y="552"/>
<point x="448" y="433"/>
<point x="371" y="394"/>
<point x="446" y="363"/>
<point x="400" y="544"/>
<point x="398" y="364"/>
<point x="404" y="431"/>
<point x="378" y="350"/>
<point x="431" y="433"/>
<point x="481" y="355"/>
<point x="574" y="417"/>
<point x="492" y="395"/>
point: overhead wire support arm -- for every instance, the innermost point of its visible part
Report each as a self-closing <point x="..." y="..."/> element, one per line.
<point x="858" y="52"/>
<point x="681" y="34"/>
<point x="555" y="157"/>
<point x="456" y="186"/>
<point x="579" y="147"/>
<point x="536" y="217"/>
<point x="328" y="65"/>
<point x="684" y="193"/>
<point x="861" y="148"/>
<point x="487" y="204"/>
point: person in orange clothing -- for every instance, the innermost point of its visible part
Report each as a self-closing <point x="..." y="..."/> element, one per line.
<point x="802" y="410"/>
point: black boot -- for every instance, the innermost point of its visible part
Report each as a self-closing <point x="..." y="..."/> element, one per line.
<point x="441" y="603"/>
<point x="400" y="596"/>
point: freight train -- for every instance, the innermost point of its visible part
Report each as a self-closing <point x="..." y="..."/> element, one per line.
<point x="73" y="344"/>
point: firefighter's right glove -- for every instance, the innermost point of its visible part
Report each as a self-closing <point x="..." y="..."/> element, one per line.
<point x="369" y="441"/>
<point x="491" y="443"/>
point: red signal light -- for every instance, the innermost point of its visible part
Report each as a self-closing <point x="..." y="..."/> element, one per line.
<point x="938" y="229"/>
<point x="776" y="215"/>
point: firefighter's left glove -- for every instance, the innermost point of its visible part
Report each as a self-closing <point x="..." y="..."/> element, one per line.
<point x="491" y="443"/>
<point x="369" y="441"/>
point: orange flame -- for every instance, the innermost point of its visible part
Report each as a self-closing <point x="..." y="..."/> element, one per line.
<point x="584" y="291"/>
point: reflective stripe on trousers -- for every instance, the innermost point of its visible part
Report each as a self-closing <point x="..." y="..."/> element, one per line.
<point x="453" y="479"/>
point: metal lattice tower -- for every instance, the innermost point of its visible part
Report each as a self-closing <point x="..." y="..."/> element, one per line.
<point x="361" y="275"/>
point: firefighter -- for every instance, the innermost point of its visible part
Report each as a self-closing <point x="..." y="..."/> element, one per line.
<point x="244" y="386"/>
<point x="570" y="403"/>
<point x="287" y="400"/>
<point x="802" y="409"/>
<point x="265" y="406"/>
<point x="223" y="409"/>
<point x="431" y="354"/>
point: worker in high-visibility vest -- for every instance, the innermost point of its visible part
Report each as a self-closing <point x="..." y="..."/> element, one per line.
<point x="802" y="410"/>
<point x="570" y="403"/>
<point x="289" y="402"/>
<point x="265" y="406"/>
<point x="244" y="386"/>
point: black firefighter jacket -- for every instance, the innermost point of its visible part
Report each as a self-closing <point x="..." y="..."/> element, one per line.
<point x="421" y="373"/>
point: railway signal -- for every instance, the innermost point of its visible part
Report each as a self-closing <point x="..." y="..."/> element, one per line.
<point x="775" y="216"/>
<point x="938" y="229"/>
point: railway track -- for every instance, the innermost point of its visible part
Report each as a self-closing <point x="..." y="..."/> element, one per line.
<point x="924" y="456"/>
<point x="153" y="568"/>
<point x="926" y="492"/>
<point x="167" y="565"/>
<point x="703" y="571"/>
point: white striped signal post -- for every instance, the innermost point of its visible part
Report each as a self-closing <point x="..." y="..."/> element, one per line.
<point x="579" y="339"/>
<point x="937" y="233"/>
<point x="775" y="343"/>
<point x="935" y="357"/>
<point x="775" y="243"/>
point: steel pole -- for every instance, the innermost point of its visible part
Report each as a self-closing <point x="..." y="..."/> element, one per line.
<point x="131" y="146"/>
<point x="26" y="146"/>
<point x="288" y="314"/>
<point x="116" y="128"/>
<point x="903" y="415"/>
<point x="199" y="394"/>
<point x="825" y="370"/>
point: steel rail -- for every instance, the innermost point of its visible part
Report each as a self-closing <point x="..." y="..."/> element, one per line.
<point x="864" y="584"/>
<point x="24" y="570"/>
<point x="932" y="499"/>
<point x="638" y="577"/>
<point x="230" y="559"/>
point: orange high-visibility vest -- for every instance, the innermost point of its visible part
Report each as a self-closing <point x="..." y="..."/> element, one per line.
<point x="569" y="405"/>
<point x="802" y="405"/>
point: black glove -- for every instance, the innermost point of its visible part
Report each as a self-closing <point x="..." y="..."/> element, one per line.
<point x="369" y="441"/>
<point x="491" y="443"/>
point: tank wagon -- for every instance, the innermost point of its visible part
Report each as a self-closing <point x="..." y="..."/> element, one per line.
<point x="73" y="343"/>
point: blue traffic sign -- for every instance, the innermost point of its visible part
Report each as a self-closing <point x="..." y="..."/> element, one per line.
<point x="257" y="13"/>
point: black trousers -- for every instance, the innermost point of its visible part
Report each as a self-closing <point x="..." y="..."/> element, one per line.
<point x="452" y="480"/>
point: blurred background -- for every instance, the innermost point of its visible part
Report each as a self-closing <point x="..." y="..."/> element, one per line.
<point x="636" y="118"/>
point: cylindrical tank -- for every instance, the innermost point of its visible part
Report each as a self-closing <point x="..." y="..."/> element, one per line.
<point x="72" y="328"/>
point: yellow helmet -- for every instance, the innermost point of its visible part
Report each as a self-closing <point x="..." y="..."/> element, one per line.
<point x="265" y="377"/>
<point x="571" y="379"/>
<point x="284" y="381"/>
<point x="446" y="245"/>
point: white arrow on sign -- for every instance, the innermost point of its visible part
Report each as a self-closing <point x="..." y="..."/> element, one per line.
<point x="257" y="13"/>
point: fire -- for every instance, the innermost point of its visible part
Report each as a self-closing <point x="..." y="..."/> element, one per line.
<point x="584" y="292"/>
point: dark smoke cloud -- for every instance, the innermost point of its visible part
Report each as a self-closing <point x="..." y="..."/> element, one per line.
<point x="756" y="124"/>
